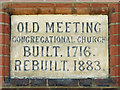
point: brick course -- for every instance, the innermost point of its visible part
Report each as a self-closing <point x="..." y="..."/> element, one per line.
<point x="115" y="60"/>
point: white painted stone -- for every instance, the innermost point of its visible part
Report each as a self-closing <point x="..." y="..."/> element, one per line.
<point x="97" y="48"/>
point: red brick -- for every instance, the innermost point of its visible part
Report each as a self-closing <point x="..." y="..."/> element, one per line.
<point x="4" y="61"/>
<point x="7" y="40"/>
<point x="114" y="50"/>
<point x="45" y="5"/>
<point x="32" y="11"/>
<point x="22" y="5"/>
<point x="7" y="61"/>
<point x="63" y="9"/>
<point x="64" y="5"/>
<point x="1" y="50"/>
<point x="5" y="29"/>
<point x="115" y="71"/>
<point x="81" y="11"/>
<point x="7" y="18"/>
<point x="117" y="81"/>
<point x="82" y="5"/>
<point x="24" y="11"/>
<point x="80" y="8"/>
<point x="4" y="18"/>
<point x="99" y="10"/>
<point x="114" y="39"/>
<point x="4" y="39"/>
<point x="2" y="29"/>
<point x="1" y="60"/>
<point x="114" y="29"/>
<point x="99" y="5"/>
<point x="115" y="60"/>
<point x="114" y="7"/>
<point x="7" y="71"/>
<point x="4" y="50"/>
<point x="114" y="18"/>
<point x="31" y="5"/>
<point x="46" y="10"/>
<point x="1" y="71"/>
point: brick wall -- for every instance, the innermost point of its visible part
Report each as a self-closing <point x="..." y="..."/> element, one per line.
<point x="73" y="7"/>
<point x="115" y="43"/>
<point x="4" y="45"/>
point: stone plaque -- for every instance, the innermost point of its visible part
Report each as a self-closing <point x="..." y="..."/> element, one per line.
<point x="59" y="46"/>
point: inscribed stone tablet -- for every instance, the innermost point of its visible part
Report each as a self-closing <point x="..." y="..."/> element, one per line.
<point x="59" y="46"/>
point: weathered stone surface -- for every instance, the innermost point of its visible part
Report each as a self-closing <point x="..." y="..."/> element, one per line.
<point x="59" y="46"/>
